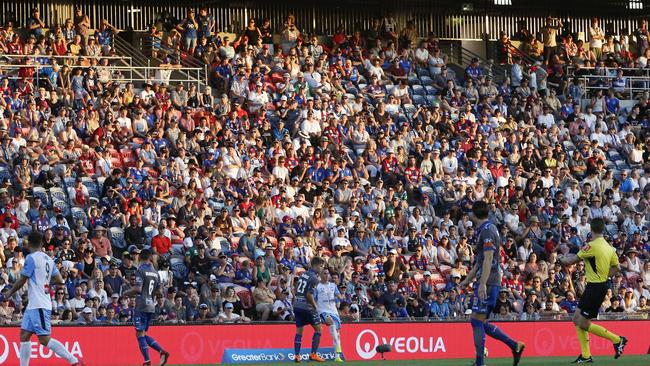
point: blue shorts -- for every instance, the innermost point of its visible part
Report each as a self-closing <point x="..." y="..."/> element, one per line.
<point x="336" y="321"/>
<point x="141" y="320"/>
<point x="37" y="321"/>
<point x="305" y="317"/>
<point x="485" y="306"/>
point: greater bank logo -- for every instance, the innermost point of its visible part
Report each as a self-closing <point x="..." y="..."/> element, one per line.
<point x="38" y="351"/>
<point x="367" y="342"/>
<point x="271" y="355"/>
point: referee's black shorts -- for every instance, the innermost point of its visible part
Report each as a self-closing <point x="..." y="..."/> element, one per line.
<point x="592" y="299"/>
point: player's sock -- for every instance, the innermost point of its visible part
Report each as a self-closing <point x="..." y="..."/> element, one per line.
<point x="478" y="327"/>
<point x="315" y="342"/>
<point x="25" y="353"/>
<point x="604" y="333"/>
<point x="297" y="341"/>
<point x="58" y="348"/>
<point x="583" y="339"/>
<point x="144" y="348"/>
<point x="153" y="344"/>
<point x="496" y="333"/>
<point x="335" y="337"/>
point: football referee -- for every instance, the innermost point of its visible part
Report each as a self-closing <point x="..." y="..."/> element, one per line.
<point x="601" y="262"/>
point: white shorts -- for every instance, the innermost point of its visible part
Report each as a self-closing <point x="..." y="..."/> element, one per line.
<point x="37" y="321"/>
<point x="335" y="319"/>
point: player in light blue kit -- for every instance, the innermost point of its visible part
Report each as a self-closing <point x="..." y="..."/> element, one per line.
<point x="327" y="296"/>
<point x="39" y="271"/>
<point x="147" y="286"/>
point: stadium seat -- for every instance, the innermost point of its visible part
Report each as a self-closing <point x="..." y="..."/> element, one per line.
<point x="100" y="184"/>
<point x="116" y="235"/>
<point x="420" y="71"/>
<point x="427" y="81"/>
<point x="5" y="173"/>
<point x="419" y="100"/>
<point x="409" y="109"/>
<point x="78" y="214"/>
<point x="418" y="90"/>
<point x="69" y="181"/>
<point x="58" y="195"/>
<point x="149" y="233"/>
<point x="413" y="80"/>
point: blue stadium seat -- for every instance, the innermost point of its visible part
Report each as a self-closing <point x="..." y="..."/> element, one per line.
<point x="426" y="80"/>
<point x="430" y="90"/>
<point x="78" y="214"/>
<point x="116" y="235"/>
<point x="422" y="72"/>
<point x="418" y="90"/>
<point x="419" y="100"/>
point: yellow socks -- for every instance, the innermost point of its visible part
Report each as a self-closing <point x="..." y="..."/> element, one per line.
<point x="604" y="333"/>
<point x="583" y="339"/>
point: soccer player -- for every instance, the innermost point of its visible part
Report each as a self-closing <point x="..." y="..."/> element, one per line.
<point x="601" y="262"/>
<point x="486" y="289"/>
<point x="305" y="306"/>
<point x="327" y="296"/>
<point x="40" y="271"/>
<point x="147" y="287"/>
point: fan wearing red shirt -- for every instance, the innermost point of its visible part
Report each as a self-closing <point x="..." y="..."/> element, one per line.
<point x="389" y="167"/>
<point x="161" y="244"/>
<point x="412" y="174"/>
<point x="87" y="161"/>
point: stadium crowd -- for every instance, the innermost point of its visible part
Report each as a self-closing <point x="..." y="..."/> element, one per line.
<point x="365" y="149"/>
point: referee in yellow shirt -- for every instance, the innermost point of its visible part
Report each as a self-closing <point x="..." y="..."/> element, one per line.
<point x="601" y="262"/>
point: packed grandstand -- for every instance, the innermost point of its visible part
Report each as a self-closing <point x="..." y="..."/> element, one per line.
<point x="366" y="147"/>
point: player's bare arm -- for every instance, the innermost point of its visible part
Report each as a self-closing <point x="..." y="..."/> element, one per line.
<point x="311" y="300"/>
<point x="488" y="255"/>
<point x="470" y="276"/>
<point x="135" y="290"/>
<point x="17" y="286"/>
<point x="613" y="270"/>
<point x="569" y="259"/>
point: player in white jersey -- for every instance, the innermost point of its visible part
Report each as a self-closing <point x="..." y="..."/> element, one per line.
<point x="39" y="271"/>
<point x="327" y="297"/>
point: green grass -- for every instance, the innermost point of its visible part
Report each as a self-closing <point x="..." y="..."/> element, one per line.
<point x="642" y="360"/>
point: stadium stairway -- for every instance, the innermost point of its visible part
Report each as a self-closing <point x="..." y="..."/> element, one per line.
<point x="460" y="57"/>
<point x="124" y="48"/>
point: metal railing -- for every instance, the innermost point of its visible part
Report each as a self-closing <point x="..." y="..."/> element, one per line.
<point x="133" y="74"/>
<point x="125" y="60"/>
<point x="637" y="83"/>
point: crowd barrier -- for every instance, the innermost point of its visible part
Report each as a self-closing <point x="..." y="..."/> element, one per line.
<point x="210" y="344"/>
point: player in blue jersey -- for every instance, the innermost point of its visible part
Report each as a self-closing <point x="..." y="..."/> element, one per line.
<point x="327" y="296"/>
<point x="486" y="290"/>
<point x="39" y="271"/>
<point x="305" y="308"/>
<point x="147" y="287"/>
